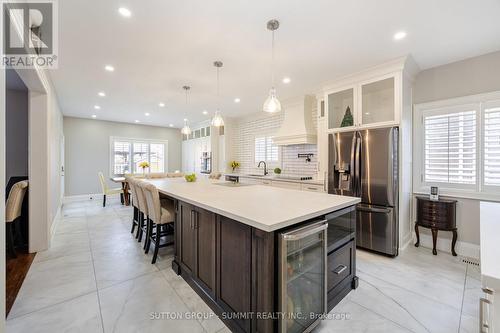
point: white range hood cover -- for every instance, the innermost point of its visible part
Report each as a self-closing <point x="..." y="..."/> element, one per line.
<point x="297" y="127"/>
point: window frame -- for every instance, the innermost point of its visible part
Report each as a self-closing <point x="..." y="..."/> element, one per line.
<point x="473" y="191"/>
<point x="268" y="162"/>
<point x="131" y="142"/>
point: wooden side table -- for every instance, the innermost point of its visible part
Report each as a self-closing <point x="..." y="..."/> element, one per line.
<point x="436" y="215"/>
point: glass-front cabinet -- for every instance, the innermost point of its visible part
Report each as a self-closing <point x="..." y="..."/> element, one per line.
<point x="365" y="104"/>
<point x="340" y="105"/>
<point x="378" y="101"/>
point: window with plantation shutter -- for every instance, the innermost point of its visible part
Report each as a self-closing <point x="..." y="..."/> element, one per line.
<point x="491" y="146"/>
<point x="127" y="154"/>
<point x="121" y="157"/>
<point x="266" y="150"/>
<point x="457" y="146"/>
<point x="450" y="147"/>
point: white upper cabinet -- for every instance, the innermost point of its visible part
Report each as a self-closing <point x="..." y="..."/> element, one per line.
<point x="340" y="106"/>
<point x="364" y="104"/>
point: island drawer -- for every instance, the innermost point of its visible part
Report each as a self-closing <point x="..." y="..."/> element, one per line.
<point x="340" y="265"/>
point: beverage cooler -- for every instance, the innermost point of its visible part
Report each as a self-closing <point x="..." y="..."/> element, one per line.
<point x="302" y="276"/>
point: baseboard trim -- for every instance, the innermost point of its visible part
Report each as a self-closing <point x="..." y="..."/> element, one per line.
<point x="55" y="222"/>
<point x="463" y="249"/>
<point x="82" y="197"/>
<point x="405" y="242"/>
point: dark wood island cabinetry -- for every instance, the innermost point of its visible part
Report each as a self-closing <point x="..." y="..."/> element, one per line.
<point x="234" y="267"/>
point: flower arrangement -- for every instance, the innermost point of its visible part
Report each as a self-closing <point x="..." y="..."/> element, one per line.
<point x="234" y="165"/>
<point x="144" y="165"/>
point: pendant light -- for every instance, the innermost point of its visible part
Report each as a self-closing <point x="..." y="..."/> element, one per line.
<point x="217" y="120"/>
<point x="186" y="130"/>
<point x="272" y="104"/>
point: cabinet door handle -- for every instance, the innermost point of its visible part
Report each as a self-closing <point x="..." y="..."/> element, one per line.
<point x="483" y="327"/>
<point x="191" y="223"/>
<point x="340" y="269"/>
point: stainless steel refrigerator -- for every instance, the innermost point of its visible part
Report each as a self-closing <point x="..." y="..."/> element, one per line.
<point x="365" y="164"/>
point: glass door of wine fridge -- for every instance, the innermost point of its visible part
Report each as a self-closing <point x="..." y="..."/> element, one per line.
<point x="302" y="275"/>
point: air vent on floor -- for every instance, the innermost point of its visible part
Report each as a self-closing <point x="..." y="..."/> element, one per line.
<point x="471" y="261"/>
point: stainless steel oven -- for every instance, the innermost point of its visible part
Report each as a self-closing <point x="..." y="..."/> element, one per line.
<point x="302" y="276"/>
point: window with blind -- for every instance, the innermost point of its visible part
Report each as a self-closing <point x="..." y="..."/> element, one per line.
<point x="457" y="146"/>
<point x="450" y="148"/>
<point x="266" y="150"/>
<point x="491" y="146"/>
<point x="127" y="154"/>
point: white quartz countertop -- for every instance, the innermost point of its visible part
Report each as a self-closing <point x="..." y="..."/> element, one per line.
<point x="490" y="239"/>
<point x="264" y="207"/>
<point x="277" y="178"/>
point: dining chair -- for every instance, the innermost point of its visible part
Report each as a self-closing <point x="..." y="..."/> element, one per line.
<point x="108" y="191"/>
<point x="161" y="218"/>
<point x="143" y="209"/>
<point x="134" y="202"/>
<point x="13" y="212"/>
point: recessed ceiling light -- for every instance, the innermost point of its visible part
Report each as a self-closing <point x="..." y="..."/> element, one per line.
<point x="147" y="114"/>
<point x="97" y="107"/>
<point x="171" y="125"/>
<point x="137" y="121"/>
<point x="185" y="119"/>
<point x="205" y="112"/>
<point x="399" y="35"/>
<point x="101" y="93"/>
<point x="125" y="12"/>
<point x="94" y="116"/>
<point x="109" y="68"/>
<point x="161" y="104"/>
<point x="286" y="80"/>
<point x="237" y="100"/>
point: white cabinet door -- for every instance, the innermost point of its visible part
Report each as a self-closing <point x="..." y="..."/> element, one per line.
<point x="379" y="101"/>
<point x="294" y="186"/>
<point x="322" y="149"/>
<point x="312" y="187"/>
<point x="341" y="108"/>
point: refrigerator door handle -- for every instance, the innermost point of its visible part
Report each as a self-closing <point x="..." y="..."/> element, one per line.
<point x="352" y="171"/>
<point x="357" y="166"/>
<point x="373" y="210"/>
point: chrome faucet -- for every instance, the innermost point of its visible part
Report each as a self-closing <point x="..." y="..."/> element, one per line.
<point x="265" y="167"/>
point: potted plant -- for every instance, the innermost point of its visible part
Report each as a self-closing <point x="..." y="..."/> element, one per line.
<point x="144" y="165"/>
<point x="235" y="165"/>
<point x="277" y="171"/>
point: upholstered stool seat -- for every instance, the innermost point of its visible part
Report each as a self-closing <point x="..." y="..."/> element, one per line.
<point x="161" y="215"/>
<point x="13" y="212"/>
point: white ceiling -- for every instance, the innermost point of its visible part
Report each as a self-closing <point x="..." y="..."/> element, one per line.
<point x="168" y="44"/>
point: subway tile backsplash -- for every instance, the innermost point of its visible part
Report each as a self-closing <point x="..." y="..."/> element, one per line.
<point x="245" y="131"/>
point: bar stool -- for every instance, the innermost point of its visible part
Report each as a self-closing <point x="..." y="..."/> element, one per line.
<point x="161" y="218"/>
<point x="134" y="202"/>
<point x="143" y="209"/>
<point x="13" y="212"/>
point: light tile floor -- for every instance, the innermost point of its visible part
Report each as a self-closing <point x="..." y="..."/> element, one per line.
<point x="96" y="278"/>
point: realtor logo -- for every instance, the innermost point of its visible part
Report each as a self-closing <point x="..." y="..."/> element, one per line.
<point x="29" y="34"/>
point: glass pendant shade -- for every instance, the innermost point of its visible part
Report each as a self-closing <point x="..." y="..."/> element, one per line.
<point x="272" y="104"/>
<point x="186" y="130"/>
<point x="217" y="120"/>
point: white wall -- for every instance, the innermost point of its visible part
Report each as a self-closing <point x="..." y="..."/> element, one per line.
<point x="87" y="150"/>
<point x="16" y="150"/>
<point x="246" y="128"/>
<point x="467" y="77"/>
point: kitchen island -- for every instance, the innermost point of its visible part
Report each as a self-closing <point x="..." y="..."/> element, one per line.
<point x="228" y="247"/>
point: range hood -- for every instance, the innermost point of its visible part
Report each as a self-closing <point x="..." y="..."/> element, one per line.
<point x="297" y="127"/>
